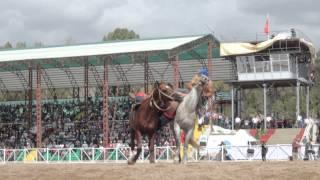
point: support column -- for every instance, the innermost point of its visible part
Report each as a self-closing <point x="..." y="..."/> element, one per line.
<point x="146" y="75"/>
<point x="175" y="63"/>
<point x="307" y="101"/>
<point x="209" y="54"/>
<point x="38" y="108"/>
<point x="297" y="101"/>
<point x="75" y="92"/>
<point x="265" y="104"/>
<point x="232" y="107"/>
<point x="86" y="86"/>
<point x="29" y="92"/>
<point x="105" y="106"/>
<point x="239" y="103"/>
<point x="210" y="59"/>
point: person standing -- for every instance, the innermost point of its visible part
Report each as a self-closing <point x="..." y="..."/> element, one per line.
<point x="238" y="122"/>
<point x="295" y="148"/>
<point x="264" y="151"/>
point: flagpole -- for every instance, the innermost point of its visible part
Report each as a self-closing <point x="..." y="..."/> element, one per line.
<point x="268" y="35"/>
<point x="267" y="27"/>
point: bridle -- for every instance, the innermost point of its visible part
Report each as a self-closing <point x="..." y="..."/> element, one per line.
<point x="160" y="94"/>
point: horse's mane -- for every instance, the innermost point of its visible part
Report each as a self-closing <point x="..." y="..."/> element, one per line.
<point x="195" y="80"/>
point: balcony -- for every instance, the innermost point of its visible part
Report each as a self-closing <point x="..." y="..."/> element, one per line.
<point x="273" y="67"/>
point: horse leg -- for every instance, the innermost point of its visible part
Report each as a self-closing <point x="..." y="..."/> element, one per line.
<point x="132" y="137"/>
<point x="189" y="134"/>
<point x="176" y="132"/>
<point x="134" y="157"/>
<point x="151" y="147"/>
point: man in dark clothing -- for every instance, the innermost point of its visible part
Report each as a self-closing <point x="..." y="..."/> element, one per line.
<point x="264" y="151"/>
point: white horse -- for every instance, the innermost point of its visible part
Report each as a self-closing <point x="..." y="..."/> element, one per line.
<point x="186" y="116"/>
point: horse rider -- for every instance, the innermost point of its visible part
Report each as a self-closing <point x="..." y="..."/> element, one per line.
<point x="169" y="115"/>
<point x="138" y="96"/>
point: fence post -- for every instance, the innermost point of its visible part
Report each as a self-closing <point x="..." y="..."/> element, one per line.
<point x="117" y="149"/>
<point x="142" y="153"/>
<point x="81" y="154"/>
<point x="24" y="155"/>
<point x="222" y="153"/>
<point x="70" y="151"/>
<point x="93" y="151"/>
<point x="47" y="156"/>
<point x="196" y="154"/>
<point x="4" y="155"/>
<point x="155" y="152"/>
<point x="37" y="154"/>
<point x="167" y="153"/>
<point x="106" y="154"/>
<point x="58" y="154"/>
<point x="14" y="155"/>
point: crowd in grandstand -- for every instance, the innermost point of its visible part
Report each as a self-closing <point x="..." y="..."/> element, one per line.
<point x="66" y="125"/>
<point x="251" y="122"/>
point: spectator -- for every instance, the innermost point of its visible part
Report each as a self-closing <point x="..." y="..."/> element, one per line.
<point x="295" y="149"/>
<point x="269" y="119"/>
<point x="238" y="122"/>
<point x="264" y="151"/>
<point x="299" y="120"/>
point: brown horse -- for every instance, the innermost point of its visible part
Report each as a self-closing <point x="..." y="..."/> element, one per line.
<point x="144" y="119"/>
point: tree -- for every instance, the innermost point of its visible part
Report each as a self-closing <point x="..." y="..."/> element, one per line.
<point x="21" y="45"/>
<point x="221" y="86"/>
<point x="121" y="34"/>
<point x="38" y="44"/>
<point x="69" y="40"/>
<point x="315" y="91"/>
<point x="7" y="45"/>
<point x="253" y="102"/>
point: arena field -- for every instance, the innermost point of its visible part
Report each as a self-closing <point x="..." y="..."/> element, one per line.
<point x="193" y="171"/>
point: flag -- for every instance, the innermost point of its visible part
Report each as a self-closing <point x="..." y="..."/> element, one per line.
<point x="267" y="26"/>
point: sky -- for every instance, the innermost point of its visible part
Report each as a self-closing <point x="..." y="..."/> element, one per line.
<point x="53" y="22"/>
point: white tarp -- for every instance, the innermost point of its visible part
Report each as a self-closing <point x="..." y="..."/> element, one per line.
<point x="96" y="49"/>
<point x="239" y="48"/>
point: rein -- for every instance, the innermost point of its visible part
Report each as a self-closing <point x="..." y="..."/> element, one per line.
<point x="152" y="101"/>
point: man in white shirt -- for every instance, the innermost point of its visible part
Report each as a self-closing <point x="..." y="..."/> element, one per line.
<point x="238" y="122"/>
<point x="269" y="118"/>
<point x="254" y="122"/>
<point x="299" y="119"/>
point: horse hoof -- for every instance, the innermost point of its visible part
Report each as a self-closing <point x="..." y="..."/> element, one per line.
<point x="131" y="162"/>
<point x="152" y="162"/>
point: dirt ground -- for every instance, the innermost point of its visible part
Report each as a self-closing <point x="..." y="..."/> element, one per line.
<point x="161" y="171"/>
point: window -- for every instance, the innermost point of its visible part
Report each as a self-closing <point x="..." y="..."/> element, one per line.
<point x="262" y="63"/>
<point x="276" y="66"/>
<point x="245" y="64"/>
<point x="280" y="62"/>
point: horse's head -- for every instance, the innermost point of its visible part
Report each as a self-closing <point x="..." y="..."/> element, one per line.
<point x="199" y="80"/>
<point x="162" y="95"/>
<point x="165" y="91"/>
<point x="203" y="80"/>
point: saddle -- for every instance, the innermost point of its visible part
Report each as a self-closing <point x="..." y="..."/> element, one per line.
<point x="135" y="106"/>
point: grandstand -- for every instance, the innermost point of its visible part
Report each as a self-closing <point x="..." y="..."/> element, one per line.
<point x="72" y="95"/>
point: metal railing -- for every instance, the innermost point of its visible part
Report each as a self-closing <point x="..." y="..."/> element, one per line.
<point x="162" y="154"/>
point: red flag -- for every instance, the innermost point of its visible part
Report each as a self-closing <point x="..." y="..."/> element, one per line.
<point x="267" y="26"/>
